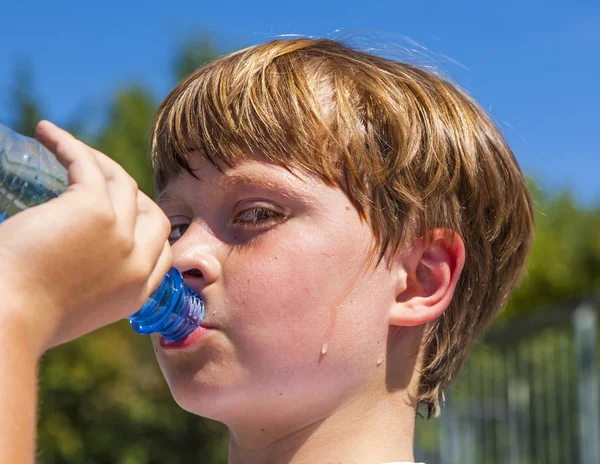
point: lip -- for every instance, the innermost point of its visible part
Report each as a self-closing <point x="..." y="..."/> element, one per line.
<point x="188" y="341"/>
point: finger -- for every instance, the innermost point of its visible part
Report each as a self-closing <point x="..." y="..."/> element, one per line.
<point x="145" y="203"/>
<point x="72" y="154"/>
<point x="152" y="230"/>
<point x="122" y="190"/>
<point x="162" y="266"/>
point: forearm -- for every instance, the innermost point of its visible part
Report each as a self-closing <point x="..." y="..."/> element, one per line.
<point x="18" y="387"/>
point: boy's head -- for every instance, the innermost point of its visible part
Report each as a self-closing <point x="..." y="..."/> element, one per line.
<point x="416" y="158"/>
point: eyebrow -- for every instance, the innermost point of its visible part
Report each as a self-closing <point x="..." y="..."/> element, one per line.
<point x="230" y="181"/>
<point x="168" y="196"/>
<point x="242" y="179"/>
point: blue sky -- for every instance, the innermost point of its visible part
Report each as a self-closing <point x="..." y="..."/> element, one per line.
<point x="534" y="65"/>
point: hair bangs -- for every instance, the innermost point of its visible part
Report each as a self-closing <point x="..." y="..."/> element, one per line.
<point x="234" y="109"/>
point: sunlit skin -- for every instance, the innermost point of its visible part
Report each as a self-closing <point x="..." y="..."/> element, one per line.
<point x="298" y="309"/>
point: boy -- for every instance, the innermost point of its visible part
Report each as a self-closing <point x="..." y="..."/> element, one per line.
<point x="351" y="222"/>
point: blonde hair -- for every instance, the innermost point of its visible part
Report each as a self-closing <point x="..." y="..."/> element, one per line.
<point x="412" y="151"/>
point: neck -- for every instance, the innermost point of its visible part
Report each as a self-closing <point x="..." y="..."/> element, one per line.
<point x="370" y="430"/>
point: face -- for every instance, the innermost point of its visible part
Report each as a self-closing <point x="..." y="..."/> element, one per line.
<point x="296" y="308"/>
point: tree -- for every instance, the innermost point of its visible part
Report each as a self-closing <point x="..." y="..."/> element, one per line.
<point x="196" y="52"/>
<point x="565" y="259"/>
<point x="127" y="131"/>
<point x="24" y="101"/>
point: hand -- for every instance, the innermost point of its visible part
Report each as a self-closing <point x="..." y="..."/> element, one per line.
<point x="83" y="260"/>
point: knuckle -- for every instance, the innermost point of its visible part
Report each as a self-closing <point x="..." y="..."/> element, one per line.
<point x="125" y="244"/>
<point x="165" y="225"/>
<point x="105" y="217"/>
<point x="105" y="225"/>
<point x="160" y="219"/>
<point x="141" y="272"/>
<point x="122" y="177"/>
<point x="81" y="144"/>
<point x="143" y="200"/>
<point x="168" y="261"/>
<point x="109" y="217"/>
<point x="121" y="174"/>
<point x="84" y="149"/>
<point x="60" y="146"/>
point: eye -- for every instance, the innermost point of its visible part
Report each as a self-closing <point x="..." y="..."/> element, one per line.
<point x="177" y="231"/>
<point x="257" y="218"/>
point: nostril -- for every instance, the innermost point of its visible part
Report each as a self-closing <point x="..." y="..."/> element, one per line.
<point x="193" y="273"/>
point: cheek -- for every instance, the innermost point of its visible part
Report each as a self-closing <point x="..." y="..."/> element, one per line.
<point x="303" y="292"/>
<point x="282" y="288"/>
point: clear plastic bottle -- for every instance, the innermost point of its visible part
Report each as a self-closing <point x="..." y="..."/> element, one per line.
<point x="31" y="175"/>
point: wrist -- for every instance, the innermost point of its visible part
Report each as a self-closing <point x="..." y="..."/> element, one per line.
<point x="19" y="330"/>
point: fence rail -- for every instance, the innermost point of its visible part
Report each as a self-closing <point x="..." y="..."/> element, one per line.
<point x="528" y="394"/>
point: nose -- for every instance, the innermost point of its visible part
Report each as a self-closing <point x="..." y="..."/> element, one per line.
<point x="195" y="256"/>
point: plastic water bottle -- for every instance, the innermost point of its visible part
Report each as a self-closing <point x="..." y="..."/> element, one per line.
<point x="31" y="175"/>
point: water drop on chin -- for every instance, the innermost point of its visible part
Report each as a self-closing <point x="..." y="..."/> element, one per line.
<point x="324" y="348"/>
<point x="379" y="361"/>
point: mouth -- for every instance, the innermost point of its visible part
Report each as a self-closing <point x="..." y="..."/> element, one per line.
<point x="188" y="341"/>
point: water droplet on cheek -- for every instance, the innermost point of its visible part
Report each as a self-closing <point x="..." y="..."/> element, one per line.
<point x="379" y="362"/>
<point x="333" y="308"/>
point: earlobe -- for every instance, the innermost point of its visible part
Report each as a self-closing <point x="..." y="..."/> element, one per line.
<point x="428" y="278"/>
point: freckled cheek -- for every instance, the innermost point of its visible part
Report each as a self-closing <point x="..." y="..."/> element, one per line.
<point x="286" y="287"/>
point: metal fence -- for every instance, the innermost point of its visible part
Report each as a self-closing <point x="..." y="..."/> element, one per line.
<point x="527" y="395"/>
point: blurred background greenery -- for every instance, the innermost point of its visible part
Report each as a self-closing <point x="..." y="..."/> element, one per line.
<point x="103" y="398"/>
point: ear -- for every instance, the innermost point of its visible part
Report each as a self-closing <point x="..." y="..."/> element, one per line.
<point x="426" y="278"/>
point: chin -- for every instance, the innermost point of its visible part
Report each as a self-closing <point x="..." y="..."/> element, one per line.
<point x="205" y="402"/>
<point x="203" y="391"/>
<point x="215" y="403"/>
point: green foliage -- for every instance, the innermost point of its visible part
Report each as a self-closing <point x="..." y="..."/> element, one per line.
<point x="126" y="134"/>
<point x="196" y="52"/>
<point x="25" y="103"/>
<point x="565" y="259"/>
